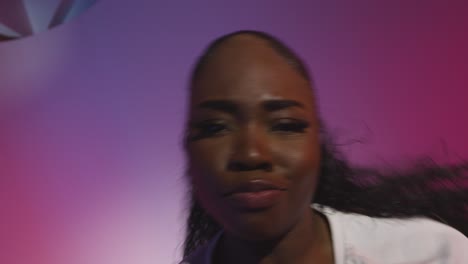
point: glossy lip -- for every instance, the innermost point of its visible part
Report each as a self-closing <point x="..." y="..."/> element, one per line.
<point x="256" y="195"/>
<point x="257" y="185"/>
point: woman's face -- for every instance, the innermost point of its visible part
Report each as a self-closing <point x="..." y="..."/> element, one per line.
<point x="253" y="147"/>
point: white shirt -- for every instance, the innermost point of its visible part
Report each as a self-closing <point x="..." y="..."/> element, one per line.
<point x="359" y="239"/>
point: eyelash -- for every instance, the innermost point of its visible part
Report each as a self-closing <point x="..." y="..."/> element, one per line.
<point x="289" y="125"/>
<point x="207" y="128"/>
<point x="211" y="128"/>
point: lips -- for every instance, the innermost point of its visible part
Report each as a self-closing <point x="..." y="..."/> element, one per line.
<point x="256" y="195"/>
<point x="257" y="186"/>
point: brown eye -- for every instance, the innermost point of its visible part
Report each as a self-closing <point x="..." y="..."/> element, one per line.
<point x="290" y="125"/>
<point x="211" y="128"/>
<point x="208" y="128"/>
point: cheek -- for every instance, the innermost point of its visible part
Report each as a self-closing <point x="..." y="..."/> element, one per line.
<point x="304" y="179"/>
<point x="206" y="162"/>
<point x="299" y="156"/>
<point x="301" y="163"/>
<point x="207" y="157"/>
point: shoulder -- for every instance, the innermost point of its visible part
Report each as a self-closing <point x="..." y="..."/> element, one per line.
<point x="203" y="254"/>
<point x="395" y="228"/>
<point x="199" y="256"/>
<point x="399" y="240"/>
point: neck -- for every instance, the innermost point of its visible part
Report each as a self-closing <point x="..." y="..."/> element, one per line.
<point x="308" y="241"/>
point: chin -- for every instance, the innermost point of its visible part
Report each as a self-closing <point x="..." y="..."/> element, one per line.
<point x="258" y="231"/>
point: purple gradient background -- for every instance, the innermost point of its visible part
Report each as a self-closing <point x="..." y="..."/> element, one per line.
<point x="91" y="113"/>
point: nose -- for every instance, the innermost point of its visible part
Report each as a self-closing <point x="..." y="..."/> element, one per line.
<point x="251" y="151"/>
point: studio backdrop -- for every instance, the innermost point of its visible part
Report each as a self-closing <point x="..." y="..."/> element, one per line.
<point x="93" y="98"/>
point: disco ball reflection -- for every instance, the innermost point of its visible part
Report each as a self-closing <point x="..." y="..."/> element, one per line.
<point x="21" y="18"/>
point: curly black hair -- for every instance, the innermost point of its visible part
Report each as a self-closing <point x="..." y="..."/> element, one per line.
<point x="425" y="189"/>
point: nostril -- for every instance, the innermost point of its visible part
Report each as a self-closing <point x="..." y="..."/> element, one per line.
<point x="266" y="166"/>
<point x="237" y="166"/>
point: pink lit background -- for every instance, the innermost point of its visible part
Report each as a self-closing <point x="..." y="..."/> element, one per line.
<point x="91" y="112"/>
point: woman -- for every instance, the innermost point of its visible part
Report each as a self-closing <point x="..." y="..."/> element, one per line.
<point x="267" y="186"/>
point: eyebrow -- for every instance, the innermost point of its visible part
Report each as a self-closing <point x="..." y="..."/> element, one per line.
<point x="231" y="107"/>
<point x="275" y="105"/>
<point x="220" y="105"/>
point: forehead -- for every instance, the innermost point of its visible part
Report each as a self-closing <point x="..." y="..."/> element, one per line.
<point x="246" y="68"/>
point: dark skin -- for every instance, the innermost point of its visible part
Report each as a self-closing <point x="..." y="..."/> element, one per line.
<point x="253" y="116"/>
